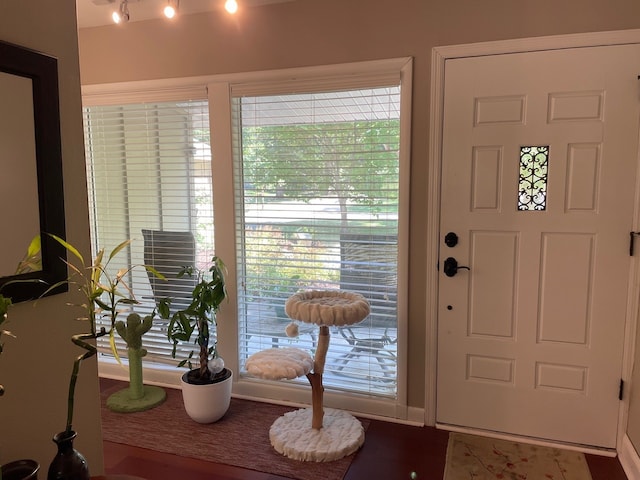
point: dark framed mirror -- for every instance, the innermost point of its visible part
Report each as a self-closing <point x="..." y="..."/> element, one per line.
<point x="31" y="185"/>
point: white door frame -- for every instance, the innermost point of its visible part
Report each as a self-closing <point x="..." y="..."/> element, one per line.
<point x="438" y="59"/>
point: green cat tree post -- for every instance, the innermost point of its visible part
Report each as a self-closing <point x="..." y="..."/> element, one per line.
<point x="137" y="397"/>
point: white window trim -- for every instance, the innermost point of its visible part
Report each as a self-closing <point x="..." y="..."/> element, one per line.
<point x="219" y="89"/>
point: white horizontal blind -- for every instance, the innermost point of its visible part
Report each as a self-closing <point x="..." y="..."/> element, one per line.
<point x="317" y="184"/>
<point x="149" y="169"/>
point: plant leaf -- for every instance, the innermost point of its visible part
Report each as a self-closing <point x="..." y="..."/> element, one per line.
<point x="114" y="348"/>
<point x="115" y="251"/>
<point x="155" y="272"/>
<point x="68" y="246"/>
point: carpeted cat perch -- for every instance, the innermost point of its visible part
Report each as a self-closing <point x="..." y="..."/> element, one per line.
<point x="137" y="397"/>
<point x="313" y="434"/>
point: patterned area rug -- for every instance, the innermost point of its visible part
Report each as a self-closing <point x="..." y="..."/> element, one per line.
<point x="240" y="438"/>
<point x="470" y="457"/>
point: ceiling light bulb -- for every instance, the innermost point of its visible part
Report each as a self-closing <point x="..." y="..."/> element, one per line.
<point x="231" y="6"/>
<point x="171" y="9"/>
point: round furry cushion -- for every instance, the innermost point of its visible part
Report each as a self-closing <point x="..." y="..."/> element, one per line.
<point x="280" y="363"/>
<point x="327" y="307"/>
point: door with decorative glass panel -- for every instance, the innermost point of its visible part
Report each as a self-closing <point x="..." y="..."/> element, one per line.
<point x="538" y="183"/>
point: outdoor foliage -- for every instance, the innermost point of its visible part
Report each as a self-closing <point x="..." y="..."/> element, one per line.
<point x="344" y="160"/>
<point x="278" y="260"/>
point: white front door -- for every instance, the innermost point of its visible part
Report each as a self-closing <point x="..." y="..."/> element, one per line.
<point x="538" y="180"/>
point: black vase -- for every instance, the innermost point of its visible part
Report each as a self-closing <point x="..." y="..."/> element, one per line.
<point x="68" y="464"/>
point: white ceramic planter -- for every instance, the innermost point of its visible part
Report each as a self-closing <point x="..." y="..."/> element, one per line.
<point x="206" y="403"/>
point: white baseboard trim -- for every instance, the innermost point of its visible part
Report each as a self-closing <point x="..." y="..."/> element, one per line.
<point x="415" y="416"/>
<point x="629" y="459"/>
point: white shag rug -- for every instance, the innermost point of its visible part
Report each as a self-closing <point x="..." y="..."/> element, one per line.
<point x="292" y="435"/>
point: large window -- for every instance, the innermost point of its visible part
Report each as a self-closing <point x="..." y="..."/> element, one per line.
<point x="317" y="208"/>
<point x="307" y="176"/>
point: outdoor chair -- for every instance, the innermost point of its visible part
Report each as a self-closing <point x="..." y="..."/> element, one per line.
<point x="168" y="252"/>
<point x="368" y="266"/>
<point x="371" y="345"/>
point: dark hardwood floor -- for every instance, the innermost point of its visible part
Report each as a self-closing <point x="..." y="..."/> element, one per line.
<point x="391" y="452"/>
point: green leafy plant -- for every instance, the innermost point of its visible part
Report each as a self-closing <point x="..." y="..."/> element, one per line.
<point x="104" y="295"/>
<point x="196" y="321"/>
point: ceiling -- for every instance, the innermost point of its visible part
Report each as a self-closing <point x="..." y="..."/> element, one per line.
<point x="94" y="13"/>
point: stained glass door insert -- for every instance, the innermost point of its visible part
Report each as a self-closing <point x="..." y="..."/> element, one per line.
<point x="532" y="187"/>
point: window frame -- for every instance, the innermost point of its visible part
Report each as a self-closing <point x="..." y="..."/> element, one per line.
<point x="219" y="91"/>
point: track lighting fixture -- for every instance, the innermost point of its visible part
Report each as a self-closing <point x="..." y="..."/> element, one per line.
<point x="171" y="9"/>
<point x="122" y="14"/>
<point x="231" y="6"/>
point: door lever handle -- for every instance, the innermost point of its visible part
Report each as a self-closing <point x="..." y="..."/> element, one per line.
<point x="451" y="267"/>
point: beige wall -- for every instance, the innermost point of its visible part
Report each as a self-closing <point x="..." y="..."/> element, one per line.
<point x="35" y="366"/>
<point x="316" y="32"/>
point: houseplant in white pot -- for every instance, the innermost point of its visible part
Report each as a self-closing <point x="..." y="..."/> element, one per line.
<point x="206" y="389"/>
